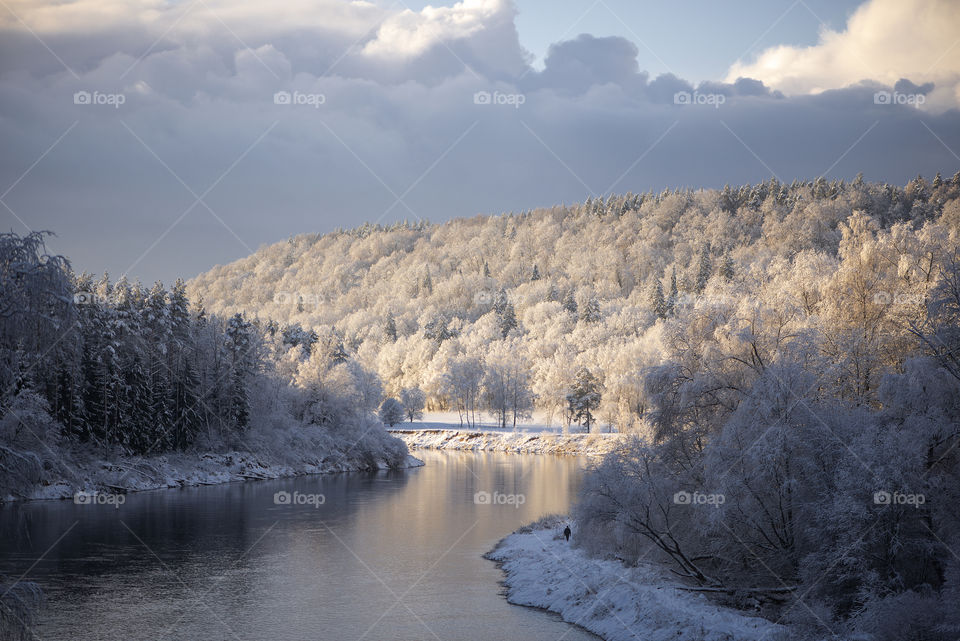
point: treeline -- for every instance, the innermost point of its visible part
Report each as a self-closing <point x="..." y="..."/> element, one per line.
<point x="117" y="363"/>
<point x="563" y="289"/>
<point x="126" y="370"/>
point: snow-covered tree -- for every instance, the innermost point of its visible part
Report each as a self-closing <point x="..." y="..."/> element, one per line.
<point x="413" y="400"/>
<point x="391" y="412"/>
<point x="584" y="397"/>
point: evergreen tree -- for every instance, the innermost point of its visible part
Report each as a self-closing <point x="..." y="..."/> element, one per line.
<point x="570" y="303"/>
<point x="674" y="299"/>
<point x="390" y="328"/>
<point x="726" y="268"/>
<point x="428" y="283"/>
<point x="657" y="302"/>
<point x="508" y="320"/>
<point x="591" y="311"/>
<point x="704" y="269"/>
<point x="500" y="301"/>
<point x="536" y="273"/>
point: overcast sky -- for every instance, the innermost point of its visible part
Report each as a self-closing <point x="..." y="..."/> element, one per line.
<point x="159" y="138"/>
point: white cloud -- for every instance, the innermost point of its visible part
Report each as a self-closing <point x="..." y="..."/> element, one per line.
<point x="410" y="33"/>
<point x="884" y="41"/>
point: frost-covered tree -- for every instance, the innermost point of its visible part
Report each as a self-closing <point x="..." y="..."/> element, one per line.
<point x="413" y="400"/>
<point x="657" y="302"/>
<point x="391" y="412"/>
<point x="584" y="397"/>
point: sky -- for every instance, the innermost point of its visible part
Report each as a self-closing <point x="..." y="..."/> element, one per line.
<point x="158" y="138"/>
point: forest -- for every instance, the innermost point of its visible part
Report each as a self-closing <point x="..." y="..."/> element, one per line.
<point x="785" y="357"/>
<point x="92" y="370"/>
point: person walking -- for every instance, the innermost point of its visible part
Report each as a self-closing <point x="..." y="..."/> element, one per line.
<point x="566" y="533"/>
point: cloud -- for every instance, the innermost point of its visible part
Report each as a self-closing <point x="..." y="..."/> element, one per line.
<point x="391" y="115"/>
<point x="884" y="41"/>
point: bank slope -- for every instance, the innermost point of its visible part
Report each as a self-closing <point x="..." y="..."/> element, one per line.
<point x="611" y="600"/>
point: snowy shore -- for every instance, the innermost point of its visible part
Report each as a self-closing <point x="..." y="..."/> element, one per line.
<point x="518" y="442"/>
<point x="135" y="474"/>
<point x="611" y="600"/>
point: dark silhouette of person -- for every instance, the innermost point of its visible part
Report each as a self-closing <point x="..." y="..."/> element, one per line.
<point x="566" y="533"/>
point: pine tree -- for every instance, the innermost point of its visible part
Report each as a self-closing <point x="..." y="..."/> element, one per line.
<point x="508" y="320"/>
<point x="657" y="302"/>
<point x="428" y="283"/>
<point x="570" y="303"/>
<point x="726" y="268"/>
<point x="536" y="273"/>
<point x="674" y="299"/>
<point x="591" y="311"/>
<point x="704" y="270"/>
<point x="390" y="328"/>
<point x="500" y="301"/>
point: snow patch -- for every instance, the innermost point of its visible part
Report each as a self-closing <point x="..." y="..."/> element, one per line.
<point x="618" y="603"/>
<point x="519" y="442"/>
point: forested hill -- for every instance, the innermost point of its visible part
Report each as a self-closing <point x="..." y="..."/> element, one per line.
<point x="723" y="282"/>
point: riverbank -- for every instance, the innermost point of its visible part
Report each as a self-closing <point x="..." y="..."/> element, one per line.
<point x="99" y="472"/>
<point x="517" y="442"/>
<point x="611" y="600"/>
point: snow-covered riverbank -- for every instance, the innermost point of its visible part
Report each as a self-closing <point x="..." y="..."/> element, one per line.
<point x="186" y="470"/>
<point x="520" y="442"/>
<point x="611" y="600"/>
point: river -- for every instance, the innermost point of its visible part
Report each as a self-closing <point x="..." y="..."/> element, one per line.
<point x="394" y="555"/>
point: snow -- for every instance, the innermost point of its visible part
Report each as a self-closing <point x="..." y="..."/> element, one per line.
<point x="135" y="474"/>
<point x="519" y="442"/>
<point x="540" y="422"/>
<point x="612" y="600"/>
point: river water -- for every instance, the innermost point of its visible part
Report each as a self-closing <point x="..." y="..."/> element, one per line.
<point x="386" y="556"/>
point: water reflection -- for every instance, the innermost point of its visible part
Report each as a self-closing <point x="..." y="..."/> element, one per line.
<point x="390" y="555"/>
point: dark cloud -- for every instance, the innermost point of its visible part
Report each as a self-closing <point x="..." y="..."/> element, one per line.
<point x="443" y="112"/>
